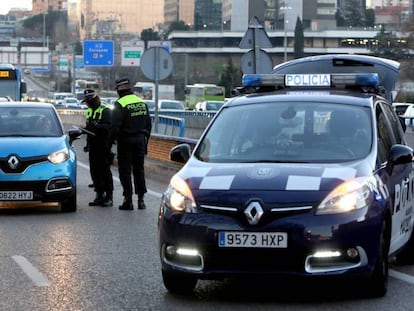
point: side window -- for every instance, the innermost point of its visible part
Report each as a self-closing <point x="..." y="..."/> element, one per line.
<point x="385" y="140"/>
<point x="394" y="122"/>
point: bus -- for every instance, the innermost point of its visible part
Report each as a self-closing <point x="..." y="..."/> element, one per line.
<point x="199" y="92"/>
<point x="146" y="90"/>
<point x="11" y="82"/>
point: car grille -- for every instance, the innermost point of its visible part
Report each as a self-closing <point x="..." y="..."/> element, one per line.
<point x="270" y="213"/>
<point x="35" y="186"/>
<point x="21" y="164"/>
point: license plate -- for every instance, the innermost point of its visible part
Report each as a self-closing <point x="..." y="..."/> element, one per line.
<point x="16" y="195"/>
<point x="253" y="239"/>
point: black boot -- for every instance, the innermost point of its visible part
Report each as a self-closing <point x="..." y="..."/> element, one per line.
<point x="126" y="205"/>
<point x="98" y="200"/>
<point x="141" y="203"/>
<point x="107" y="200"/>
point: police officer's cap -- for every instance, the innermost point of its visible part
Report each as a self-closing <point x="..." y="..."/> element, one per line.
<point x="89" y="93"/>
<point x="122" y="84"/>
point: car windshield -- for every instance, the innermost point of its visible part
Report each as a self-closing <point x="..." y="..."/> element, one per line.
<point x="172" y="105"/>
<point x="288" y="132"/>
<point x="214" y="105"/>
<point x="29" y="121"/>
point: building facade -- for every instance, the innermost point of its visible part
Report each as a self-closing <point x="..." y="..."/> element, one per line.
<point x="43" y="6"/>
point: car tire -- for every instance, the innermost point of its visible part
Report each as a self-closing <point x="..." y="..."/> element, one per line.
<point x="378" y="282"/>
<point x="177" y="283"/>
<point x="69" y="205"/>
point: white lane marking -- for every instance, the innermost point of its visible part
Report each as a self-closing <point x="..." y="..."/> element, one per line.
<point x="151" y="192"/>
<point x="401" y="276"/>
<point x="37" y="277"/>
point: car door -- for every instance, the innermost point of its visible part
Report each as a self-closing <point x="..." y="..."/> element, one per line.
<point x="399" y="181"/>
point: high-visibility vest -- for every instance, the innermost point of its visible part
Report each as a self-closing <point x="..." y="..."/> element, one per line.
<point x="95" y="114"/>
<point x="129" y="99"/>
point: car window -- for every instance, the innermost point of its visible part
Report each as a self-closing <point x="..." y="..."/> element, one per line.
<point x="172" y="105"/>
<point x="385" y="140"/>
<point x="400" y="109"/>
<point x="213" y="105"/>
<point x="29" y="122"/>
<point x="288" y="132"/>
<point x="395" y="123"/>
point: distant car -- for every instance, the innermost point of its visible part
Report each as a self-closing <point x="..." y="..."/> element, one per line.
<point x="400" y="108"/>
<point x="5" y="99"/>
<point x="37" y="161"/>
<point x="59" y="97"/>
<point x="71" y="103"/>
<point x="209" y="105"/>
<point x="408" y="115"/>
<point x="26" y="71"/>
<point x="109" y="101"/>
<point x="150" y="104"/>
<point x="170" y="105"/>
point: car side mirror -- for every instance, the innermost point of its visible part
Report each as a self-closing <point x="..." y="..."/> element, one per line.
<point x="74" y="134"/>
<point x="180" y="153"/>
<point x="399" y="154"/>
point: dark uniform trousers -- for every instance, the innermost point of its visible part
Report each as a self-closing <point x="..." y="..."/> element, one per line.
<point x="100" y="169"/>
<point x="130" y="155"/>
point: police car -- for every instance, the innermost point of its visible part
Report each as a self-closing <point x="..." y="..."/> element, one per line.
<point x="303" y="175"/>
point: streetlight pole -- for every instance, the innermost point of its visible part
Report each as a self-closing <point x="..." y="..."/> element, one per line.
<point x="285" y="21"/>
<point x="285" y="39"/>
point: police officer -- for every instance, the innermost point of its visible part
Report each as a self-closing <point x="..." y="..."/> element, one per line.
<point x="131" y="128"/>
<point x="98" y="127"/>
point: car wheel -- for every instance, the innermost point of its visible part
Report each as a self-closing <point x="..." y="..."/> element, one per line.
<point x="69" y="205"/>
<point x="378" y="281"/>
<point x="177" y="283"/>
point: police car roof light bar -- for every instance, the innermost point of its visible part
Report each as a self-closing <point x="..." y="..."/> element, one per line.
<point x="312" y="80"/>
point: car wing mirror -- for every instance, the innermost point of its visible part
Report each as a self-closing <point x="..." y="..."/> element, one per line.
<point x="399" y="154"/>
<point x="180" y="153"/>
<point x="74" y="134"/>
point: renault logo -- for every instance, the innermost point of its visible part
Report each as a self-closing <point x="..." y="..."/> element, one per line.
<point x="13" y="162"/>
<point x="253" y="212"/>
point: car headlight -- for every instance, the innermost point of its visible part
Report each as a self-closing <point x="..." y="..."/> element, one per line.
<point x="348" y="196"/>
<point x="59" y="156"/>
<point x="179" y="197"/>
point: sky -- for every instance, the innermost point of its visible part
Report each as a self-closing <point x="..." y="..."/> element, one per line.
<point x="6" y="5"/>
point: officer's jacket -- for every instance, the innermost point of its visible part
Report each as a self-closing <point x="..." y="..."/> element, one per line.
<point x="131" y="121"/>
<point x="99" y="122"/>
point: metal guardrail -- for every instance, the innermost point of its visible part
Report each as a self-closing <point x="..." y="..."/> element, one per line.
<point x="167" y="125"/>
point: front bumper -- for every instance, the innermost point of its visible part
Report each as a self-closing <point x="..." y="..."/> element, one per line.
<point x="317" y="245"/>
<point x="48" y="182"/>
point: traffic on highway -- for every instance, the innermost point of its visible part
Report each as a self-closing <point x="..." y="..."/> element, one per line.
<point x="195" y="245"/>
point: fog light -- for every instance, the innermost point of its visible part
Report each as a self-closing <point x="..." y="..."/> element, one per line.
<point x="327" y="254"/>
<point x="352" y="253"/>
<point x="187" y="252"/>
<point x="170" y="250"/>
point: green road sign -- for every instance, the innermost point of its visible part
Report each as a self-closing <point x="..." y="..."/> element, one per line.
<point x="132" y="54"/>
